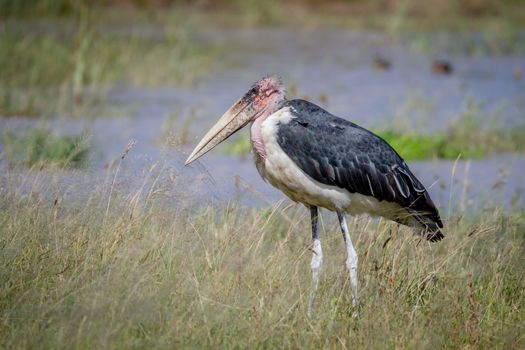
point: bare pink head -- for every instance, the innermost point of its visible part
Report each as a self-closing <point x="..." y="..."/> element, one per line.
<point x="264" y="98"/>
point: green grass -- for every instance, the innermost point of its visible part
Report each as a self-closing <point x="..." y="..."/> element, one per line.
<point x="450" y="145"/>
<point x="145" y="275"/>
<point x="60" y="71"/>
<point x="463" y="139"/>
<point x="311" y="12"/>
<point x="473" y="134"/>
<point x="42" y="148"/>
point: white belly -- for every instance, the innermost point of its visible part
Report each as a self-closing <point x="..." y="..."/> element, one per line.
<point x="282" y="172"/>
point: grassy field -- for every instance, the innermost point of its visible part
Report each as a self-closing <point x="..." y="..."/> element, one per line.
<point x="378" y="13"/>
<point x="130" y="272"/>
<point x="108" y="267"/>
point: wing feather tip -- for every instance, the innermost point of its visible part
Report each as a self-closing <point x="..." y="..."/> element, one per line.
<point x="435" y="236"/>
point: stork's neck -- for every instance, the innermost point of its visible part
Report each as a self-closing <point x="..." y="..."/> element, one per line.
<point x="256" y="138"/>
<point x="256" y="134"/>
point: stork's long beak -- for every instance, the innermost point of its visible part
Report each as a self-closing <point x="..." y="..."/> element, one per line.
<point x="240" y="114"/>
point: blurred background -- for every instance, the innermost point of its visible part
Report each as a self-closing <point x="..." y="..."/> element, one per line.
<point x="107" y="241"/>
<point x="88" y="88"/>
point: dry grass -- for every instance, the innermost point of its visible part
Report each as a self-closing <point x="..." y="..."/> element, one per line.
<point x="143" y="275"/>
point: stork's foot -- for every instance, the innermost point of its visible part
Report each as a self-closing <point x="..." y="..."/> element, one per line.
<point x="355" y="313"/>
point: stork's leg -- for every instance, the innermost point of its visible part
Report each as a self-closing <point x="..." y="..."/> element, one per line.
<point x="351" y="255"/>
<point x="317" y="257"/>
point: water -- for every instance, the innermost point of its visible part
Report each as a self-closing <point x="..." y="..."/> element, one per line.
<point x="333" y="68"/>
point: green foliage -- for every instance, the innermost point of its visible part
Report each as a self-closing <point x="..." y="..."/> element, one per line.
<point x="473" y="134"/>
<point x="47" y="72"/>
<point x="469" y="143"/>
<point x="439" y="146"/>
<point x="10" y="8"/>
<point x="143" y="275"/>
<point x="42" y="148"/>
<point x="465" y="139"/>
<point x="239" y="146"/>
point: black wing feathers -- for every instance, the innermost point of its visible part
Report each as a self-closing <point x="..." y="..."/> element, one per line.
<point x="340" y="153"/>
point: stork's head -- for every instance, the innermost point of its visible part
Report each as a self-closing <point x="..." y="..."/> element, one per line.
<point x="263" y="98"/>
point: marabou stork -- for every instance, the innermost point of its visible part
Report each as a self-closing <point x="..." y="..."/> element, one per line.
<point x="321" y="160"/>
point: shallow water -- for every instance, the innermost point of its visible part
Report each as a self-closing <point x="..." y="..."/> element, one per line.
<point x="333" y="68"/>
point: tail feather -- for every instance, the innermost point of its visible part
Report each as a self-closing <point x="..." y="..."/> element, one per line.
<point x="433" y="235"/>
<point x="430" y="228"/>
